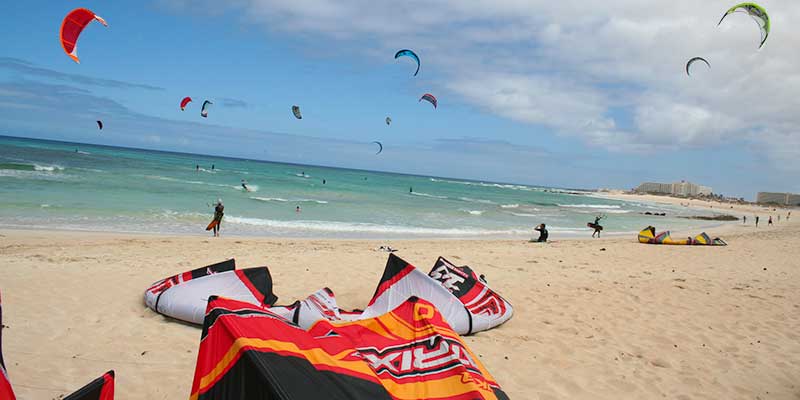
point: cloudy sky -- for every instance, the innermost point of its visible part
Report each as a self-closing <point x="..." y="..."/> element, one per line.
<point x="567" y="93"/>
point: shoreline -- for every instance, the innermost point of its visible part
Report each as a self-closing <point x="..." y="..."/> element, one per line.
<point x="565" y="234"/>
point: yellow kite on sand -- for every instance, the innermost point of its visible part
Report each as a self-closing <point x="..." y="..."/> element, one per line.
<point x="648" y="236"/>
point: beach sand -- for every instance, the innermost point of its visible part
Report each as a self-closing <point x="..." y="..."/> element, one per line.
<point x="594" y="319"/>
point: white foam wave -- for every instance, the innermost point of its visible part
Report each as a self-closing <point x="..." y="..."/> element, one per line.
<point x="474" y="212"/>
<point x="604" y="206"/>
<point x="471" y="200"/>
<point x="509" y="206"/>
<point x="47" y="168"/>
<point x="349" y="227"/>
<point x="433" y="196"/>
<point x="282" y="200"/>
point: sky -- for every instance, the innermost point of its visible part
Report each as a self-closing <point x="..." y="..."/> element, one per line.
<point x="564" y="94"/>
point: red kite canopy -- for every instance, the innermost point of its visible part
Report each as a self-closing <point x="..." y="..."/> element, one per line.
<point x="429" y="98"/>
<point x="71" y="29"/>
<point x="184" y="102"/>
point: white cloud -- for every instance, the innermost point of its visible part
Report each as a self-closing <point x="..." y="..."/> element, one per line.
<point x="574" y="67"/>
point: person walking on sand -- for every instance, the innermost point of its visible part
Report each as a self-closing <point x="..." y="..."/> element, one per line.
<point x="756" y="221"/>
<point x="596" y="225"/>
<point x="744" y="220"/>
<point x="219" y="212"/>
<point x="542" y="229"/>
<point x="788" y="215"/>
<point x="769" y="221"/>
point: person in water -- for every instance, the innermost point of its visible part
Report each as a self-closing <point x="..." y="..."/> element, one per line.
<point x="244" y="185"/>
<point x="212" y="167"/>
<point x="410" y="190"/>
<point x="323" y="181"/>
<point x="542" y="229"/>
<point x="297" y="209"/>
<point x="597" y="226"/>
<point x="219" y="212"/>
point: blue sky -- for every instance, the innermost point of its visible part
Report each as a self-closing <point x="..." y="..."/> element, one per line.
<point x="544" y="94"/>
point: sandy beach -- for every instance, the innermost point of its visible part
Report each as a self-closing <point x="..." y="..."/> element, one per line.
<point x="594" y="319"/>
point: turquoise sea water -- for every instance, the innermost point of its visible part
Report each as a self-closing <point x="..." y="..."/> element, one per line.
<point x="57" y="185"/>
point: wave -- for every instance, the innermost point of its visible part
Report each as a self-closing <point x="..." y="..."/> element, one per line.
<point x="302" y="175"/>
<point x="509" y="206"/>
<point x="433" y="196"/>
<point x="357" y="227"/>
<point x="83" y="152"/>
<point x="483" y="184"/>
<point x="30" y="167"/>
<point x="606" y="206"/>
<point x="474" y="212"/>
<point x="282" y="200"/>
<point x="471" y="200"/>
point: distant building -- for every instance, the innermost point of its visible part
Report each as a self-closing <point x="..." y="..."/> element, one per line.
<point x="682" y="188"/>
<point x="784" y="199"/>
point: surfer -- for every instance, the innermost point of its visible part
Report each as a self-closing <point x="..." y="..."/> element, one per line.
<point x="542" y="229"/>
<point x="410" y="190"/>
<point x="219" y="212"/>
<point x="212" y="167"/>
<point x="596" y="225"/>
<point x="244" y="185"/>
<point x="197" y="167"/>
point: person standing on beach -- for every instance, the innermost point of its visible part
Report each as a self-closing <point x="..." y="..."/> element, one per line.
<point x="756" y="221"/>
<point x="788" y="215"/>
<point x="769" y="222"/>
<point x="219" y="212"/>
<point x="744" y="220"/>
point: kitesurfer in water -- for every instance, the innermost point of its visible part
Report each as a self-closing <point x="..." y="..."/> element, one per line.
<point x="542" y="229"/>
<point x="410" y="190"/>
<point x="597" y="227"/>
<point x="212" y="167"/>
<point x="219" y="212"/>
<point x="244" y="185"/>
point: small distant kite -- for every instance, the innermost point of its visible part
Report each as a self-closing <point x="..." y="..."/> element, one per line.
<point x="204" y="110"/>
<point x="380" y="147"/>
<point x="388" y="121"/>
<point x="408" y="53"/>
<point x="755" y="11"/>
<point x="184" y="102"/>
<point x="71" y="29"/>
<point x="429" y="98"/>
<point x="694" y="60"/>
<point x="100" y="125"/>
<point x="296" y="112"/>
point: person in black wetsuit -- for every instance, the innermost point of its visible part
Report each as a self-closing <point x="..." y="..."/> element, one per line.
<point x="597" y="227"/>
<point x="219" y="212"/>
<point x="542" y="229"/>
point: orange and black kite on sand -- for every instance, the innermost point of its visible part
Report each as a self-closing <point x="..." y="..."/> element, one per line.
<point x="248" y="352"/>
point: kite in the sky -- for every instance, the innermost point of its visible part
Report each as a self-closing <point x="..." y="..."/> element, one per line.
<point x="694" y="60"/>
<point x="204" y="110"/>
<point x="380" y="147"/>
<point x="296" y="112"/>
<point x="184" y="102"/>
<point x="71" y="29"/>
<point x="388" y="121"/>
<point x="100" y="124"/>
<point x="755" y="11"/>
<point x="408" y="53"/>
<point x="429" y="98"/>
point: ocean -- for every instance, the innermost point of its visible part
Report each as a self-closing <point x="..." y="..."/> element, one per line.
<point x="59" y="185"/>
